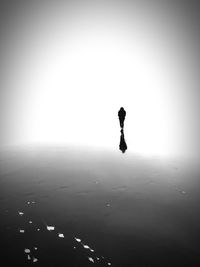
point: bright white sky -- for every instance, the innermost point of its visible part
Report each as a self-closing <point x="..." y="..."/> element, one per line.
<point x="81" y="64"/>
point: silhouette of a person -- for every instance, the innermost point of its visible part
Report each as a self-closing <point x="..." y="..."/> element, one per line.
<point x="121" y="115"/>
<point x="122" y="144"/>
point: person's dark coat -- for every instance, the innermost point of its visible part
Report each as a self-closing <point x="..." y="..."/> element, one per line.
<point x="121" y="115"/>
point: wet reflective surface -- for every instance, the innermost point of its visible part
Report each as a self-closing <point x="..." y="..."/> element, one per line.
<point x="71" y="207"/>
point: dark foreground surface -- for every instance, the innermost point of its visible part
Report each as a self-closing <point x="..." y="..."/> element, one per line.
<point x="65" y="207"/>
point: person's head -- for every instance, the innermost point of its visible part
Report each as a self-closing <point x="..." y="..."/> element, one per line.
<point x="122" y="108"/>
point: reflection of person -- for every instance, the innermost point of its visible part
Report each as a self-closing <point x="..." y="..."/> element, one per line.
<point x="122" y="144"/>
<point x="121" y="115"/>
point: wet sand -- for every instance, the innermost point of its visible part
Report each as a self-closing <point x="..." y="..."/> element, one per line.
<point x="78" y="207"/>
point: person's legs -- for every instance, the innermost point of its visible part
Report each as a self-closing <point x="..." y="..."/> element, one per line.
<point x="121" y="123"/>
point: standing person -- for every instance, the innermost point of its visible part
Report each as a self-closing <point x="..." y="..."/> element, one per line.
<point x="121" y="115"/>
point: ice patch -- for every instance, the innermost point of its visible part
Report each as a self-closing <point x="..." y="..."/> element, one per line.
<point x="35" y="259"/>
<point x="91" y="259"/>
<point x="50" y="228"/>
<point x="61" y="235"/>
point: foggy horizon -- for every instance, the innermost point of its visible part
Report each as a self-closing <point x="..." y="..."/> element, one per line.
<point x="68" y="66"/>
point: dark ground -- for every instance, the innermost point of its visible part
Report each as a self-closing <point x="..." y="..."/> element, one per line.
<point x="125" y="209"/>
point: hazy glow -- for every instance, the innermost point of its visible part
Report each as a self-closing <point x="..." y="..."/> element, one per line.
<point x="80" y="91"/>
<point x="79" y="68"/>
